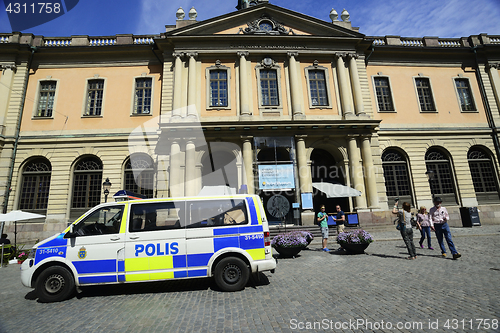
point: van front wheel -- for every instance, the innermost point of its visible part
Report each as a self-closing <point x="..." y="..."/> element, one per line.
<point x="54" y="284"/>
<point x="231" y="274"/>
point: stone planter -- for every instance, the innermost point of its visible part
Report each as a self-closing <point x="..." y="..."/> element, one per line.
<point x="355" y="248"/>
<point x="288" y="252"/>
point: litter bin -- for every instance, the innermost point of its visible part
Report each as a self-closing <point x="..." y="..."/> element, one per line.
<point x="470" y="216"/>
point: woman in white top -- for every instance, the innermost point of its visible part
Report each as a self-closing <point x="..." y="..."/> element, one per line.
<point x="425" y="226"/>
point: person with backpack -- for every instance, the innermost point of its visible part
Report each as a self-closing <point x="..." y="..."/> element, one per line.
<point x="323" y="224"/>
<point x="404" y="222"/>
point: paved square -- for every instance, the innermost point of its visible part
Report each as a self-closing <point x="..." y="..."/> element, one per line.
<point x="317" y="291"/>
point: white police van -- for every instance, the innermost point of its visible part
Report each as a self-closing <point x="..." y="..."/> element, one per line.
<point x="224" y="237"/>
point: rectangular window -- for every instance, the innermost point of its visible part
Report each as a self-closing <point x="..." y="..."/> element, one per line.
<point x="425" y="94"/>
<point x="46" y="98"/>
<point x="383" y="92"/>
<point x="95" y="92"/>
<point x="317" y="84"/>
<point x="157" y="216"/>
<point x="465" y="95"/>
<point x="269" y="87"/>
<point x="218" y="88"/>
<point x="142" y="100"/>
<point x="213" y="213"/>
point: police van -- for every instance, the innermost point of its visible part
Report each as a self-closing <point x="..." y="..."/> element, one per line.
<point x="224" y="237"/>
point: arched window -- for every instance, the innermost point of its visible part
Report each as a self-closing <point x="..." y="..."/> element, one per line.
<point x="139" y="175"/>
<point x="442" y="184"/>
<point x="397" y="181"/>
<point x="483" y="175"/>
<point x="87" y="182"/>
<point x="35" y="185"/>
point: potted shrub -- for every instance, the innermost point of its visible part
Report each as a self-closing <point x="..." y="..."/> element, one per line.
<point x="355" y="241"/>
<point x="290" y="244"/>
<point x="22" y="256"/>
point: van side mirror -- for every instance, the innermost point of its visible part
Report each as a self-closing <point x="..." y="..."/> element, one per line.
<point x="71" y="233"/>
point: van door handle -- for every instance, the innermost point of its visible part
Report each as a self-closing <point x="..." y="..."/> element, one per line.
<point x="133" y="237"/>
<point x="115" y="238"/>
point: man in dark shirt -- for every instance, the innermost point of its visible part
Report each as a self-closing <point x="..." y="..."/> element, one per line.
<point x="339" y="218"/>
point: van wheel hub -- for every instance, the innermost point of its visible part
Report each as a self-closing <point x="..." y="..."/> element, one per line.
<point x="54" y="283"/>
<point x="232" y="273"/>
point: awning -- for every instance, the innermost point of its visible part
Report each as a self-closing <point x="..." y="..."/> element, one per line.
<point x="336" y="190"/>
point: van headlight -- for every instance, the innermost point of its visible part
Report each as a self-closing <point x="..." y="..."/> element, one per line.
<point x="32" y="253"/>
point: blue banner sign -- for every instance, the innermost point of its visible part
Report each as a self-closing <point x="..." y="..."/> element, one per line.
<point x="276" y="177"/>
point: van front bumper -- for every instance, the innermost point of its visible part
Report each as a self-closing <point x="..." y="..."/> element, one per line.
<point x="27" y="273"/>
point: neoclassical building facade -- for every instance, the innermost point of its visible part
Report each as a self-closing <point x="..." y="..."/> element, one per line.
<point x="262" y="100"/>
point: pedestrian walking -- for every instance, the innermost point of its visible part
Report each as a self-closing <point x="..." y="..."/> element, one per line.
<point x="439" y="217"/>
<point x="425" y="226"/>
<point x="323" y="224"/>
<point x="404" y="219"/>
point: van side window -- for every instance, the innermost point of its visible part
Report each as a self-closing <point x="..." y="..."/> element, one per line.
<point x="213" y="213"/>
<point x="106" y="220"/>
<point x="157" y="216"/>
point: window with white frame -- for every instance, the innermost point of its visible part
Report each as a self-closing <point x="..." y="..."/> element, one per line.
<point x="424" y="93"/>
<point x="483" y="175"/>
<point x="465" y="94"/>
<point x="143" y="93"/>
<point x="268" y="74"/>
<point x="139" y="175"/>
<point x="46" y="99"/>
<point x="95" y="94"/>
<point x="269" y="87"/>
<point x="317" y="87"/>
<point x="383" y="93"/>
<point x="218" y="88"/>
<point x="35" y="185"/>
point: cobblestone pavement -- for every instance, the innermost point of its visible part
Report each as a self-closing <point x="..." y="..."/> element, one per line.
<point x="317" y="291"/>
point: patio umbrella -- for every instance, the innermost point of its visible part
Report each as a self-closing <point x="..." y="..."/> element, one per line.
<point x="18" y="215"/>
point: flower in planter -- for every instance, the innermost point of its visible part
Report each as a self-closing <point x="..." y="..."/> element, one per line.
<point x="306" y="234"/>
<point x="357" y="236"/>
<point x="22" y="256"/>
<point x="290" y="240"/>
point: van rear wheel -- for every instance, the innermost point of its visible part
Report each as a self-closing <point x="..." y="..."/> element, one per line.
<point x="231" y="274"/>
<point x="54" y="284"/>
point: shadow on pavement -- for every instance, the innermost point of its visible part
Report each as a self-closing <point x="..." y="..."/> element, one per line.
<point x="255" y="280"/>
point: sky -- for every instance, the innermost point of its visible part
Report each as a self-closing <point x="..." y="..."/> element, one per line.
<point x="415" y="18"/>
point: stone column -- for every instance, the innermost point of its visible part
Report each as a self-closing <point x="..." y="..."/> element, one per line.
<point x="305" y="181"/>
<point x="356" y="86"/>
<point x="294" y="84"/>
<point x="371" y="181"/>
<point x="5" y="88"/>
<point x="345" y="95"/>
<point x="192" y="86"/>
<point x="244" y="95"/>
<point x="190" y="188"/>
<point x="356" y="172"/>
<point x="492" y="69"/>
<point x="248" y="164"/>
<point x="177" y="104"/>
<point x="175" y="182"/>
<point x="304" y="169"/>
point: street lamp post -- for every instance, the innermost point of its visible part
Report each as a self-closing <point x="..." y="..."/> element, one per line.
<point x="106" y="186"/>
<point x="430" y="178"/>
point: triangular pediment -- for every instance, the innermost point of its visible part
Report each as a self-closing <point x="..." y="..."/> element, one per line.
<point x="265" y="19"/>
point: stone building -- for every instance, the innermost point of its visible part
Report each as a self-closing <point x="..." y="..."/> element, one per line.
<point x="262" y="100"/>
